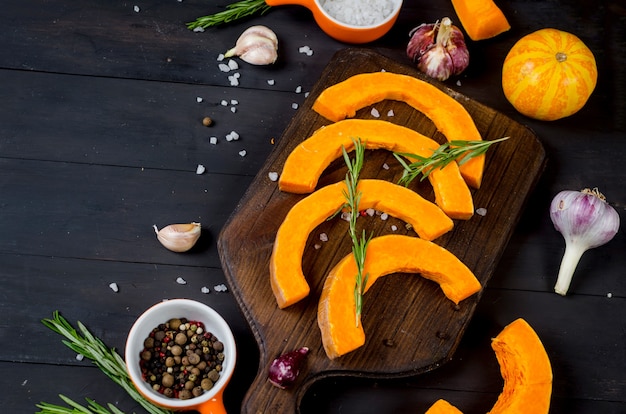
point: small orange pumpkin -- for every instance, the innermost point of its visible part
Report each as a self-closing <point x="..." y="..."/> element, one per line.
<point x="549" y="74"/>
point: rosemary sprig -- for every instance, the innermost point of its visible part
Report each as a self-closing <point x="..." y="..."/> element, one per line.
<point x="92" y="408"/>
<point x="234" y="11"/>
<point x="359" y="244"/>
<point x="105" y="358"/>
<point x="460" y="151"/>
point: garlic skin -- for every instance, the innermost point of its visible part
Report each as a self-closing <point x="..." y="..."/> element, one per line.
<point x="586" y="221"/>
<point x="257" y="45"/>
<point x="438" y="49"/>
<point x="179" y="237"/>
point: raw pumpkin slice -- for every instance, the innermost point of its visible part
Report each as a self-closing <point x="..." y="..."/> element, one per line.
<point x="343" y="99"/>
<point x="443" y="407"/>
<point x="287" y="279"/>
<point x="307" y="161"/>
<point x="481" y="19"/>
<point x="526" y="370"/>
<point x="336" y="312"/>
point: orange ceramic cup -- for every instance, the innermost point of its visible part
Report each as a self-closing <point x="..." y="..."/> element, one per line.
<point x="211" y="401"/>
<point x="344" y="32"/>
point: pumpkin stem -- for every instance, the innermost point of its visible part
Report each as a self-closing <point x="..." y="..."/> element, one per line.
<point x="560" y="57"/>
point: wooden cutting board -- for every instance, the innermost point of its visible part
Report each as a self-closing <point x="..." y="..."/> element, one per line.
<point x="410" y="326"/>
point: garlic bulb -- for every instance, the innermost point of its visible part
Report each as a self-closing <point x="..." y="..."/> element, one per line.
<point x="179" y="237"/>
<point x="257" y="45"/>
<point x="438" y="49"/>
<point x="586" y="221"/>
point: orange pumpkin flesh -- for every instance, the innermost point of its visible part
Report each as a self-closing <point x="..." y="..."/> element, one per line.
<point x="443" y="407"/>
<point x="308" y="160"/>
<point x="343" y="99"/>
<point x="287" y="279"/>
<point x="481" y="19"/>
<point x="549" y="74"/>
<point x="526" y="370"/>
<point x="385" y="255"/>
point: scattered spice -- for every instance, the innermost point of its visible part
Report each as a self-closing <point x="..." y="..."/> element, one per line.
<point x="207" y="121"/>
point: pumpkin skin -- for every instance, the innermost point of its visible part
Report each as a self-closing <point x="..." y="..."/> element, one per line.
<point x="549" y="74"/>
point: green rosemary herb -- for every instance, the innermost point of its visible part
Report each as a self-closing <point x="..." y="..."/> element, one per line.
<point x="75" y="408"/>
<point x="105" y="358"/>
<point x="460" y="151"/>
<point x="234" y="11"/>
<point x="359" y="244"/>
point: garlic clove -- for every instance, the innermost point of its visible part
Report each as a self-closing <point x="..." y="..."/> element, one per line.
<point x="179" y="237"/>
<point x="257" y="45"/>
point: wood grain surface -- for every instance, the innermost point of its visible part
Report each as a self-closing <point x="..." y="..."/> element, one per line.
<point x="410" y="326"/>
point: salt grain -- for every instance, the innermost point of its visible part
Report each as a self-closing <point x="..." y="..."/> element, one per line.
<point x="242" y="153"/>
<point x="385" y="166"/>
<point x="80" y="357"/>
<point x="232" y="64"/>
<point x="199" y="99"/>
<point x="394" y="228"/>
<point x="294" y="106"/>
<point x="136" y="9"/>
<point x="270" y="82"/>
<point x="213" y="140"/>
<point x="205" y="289"/>
<point x="234" y="102"/>
<point x="299" y="89"/>
<point x="220" y="57"/>
<point x="224" y="102"/>
<point x="198" y="29"/>
<point x="305" y="50"/>
<point x="384" y="216"/>
<point x="370" y="212"/>
<point x="181" y="281"/>
<point x="345" y="216"/>
<point x="223" y="67"/>
<point x="232" y="136"/>
<point x="609" y="295"/>
<point x="390" y="113"/>
<point x="220" y="288"/>
<point x="317" y="246"/>
<point x="273" y="176"/>
<point x="481" y="211"/>
<point x="323" y="237"/>
<point x="458" y="83"/>
<point x="200" y="169"/>
<point x="233" y="109"/>
<point x="114" y="287"/>
<point x="234" y="80"/>
<point x="375" y="113"/>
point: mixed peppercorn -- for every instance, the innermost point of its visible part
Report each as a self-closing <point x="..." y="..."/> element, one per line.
<point x="180" y="359"/>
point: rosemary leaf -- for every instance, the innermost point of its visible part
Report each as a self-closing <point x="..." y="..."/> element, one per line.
<point x="457" y="150"/>
<point x="359" y="244"/>
<point x="233" y="11"/>
<point x="105" y="358"/>
<point x="92" y="408"/>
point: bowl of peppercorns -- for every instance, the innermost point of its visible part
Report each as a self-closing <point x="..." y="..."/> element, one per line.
<point x="180" y="354"/>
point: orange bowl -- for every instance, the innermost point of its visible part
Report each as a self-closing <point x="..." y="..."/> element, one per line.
<point x="344" y="32"/>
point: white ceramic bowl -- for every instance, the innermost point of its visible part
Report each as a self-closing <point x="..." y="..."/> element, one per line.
<point x="211" y="401"/>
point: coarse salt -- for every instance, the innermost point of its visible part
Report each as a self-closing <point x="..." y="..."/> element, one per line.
<point x="385" y="166"/>
<point x="199" y="99"/>
<point x="294" y="106"/>
<point x="273" y="176"/>
<point x="242" y="153"/>
<point x="323" y="237"/>
<point x="220" y="57"/>
<point x="114" y="287"/>
<point x="270" y="82"/>
<point x="359" y="12"/>
<point x="370" y="212"/>
<point x="232" y="136"/>
<point x="232" y="64"/>
<point x="198" y="29"/>
<point x="233" y="109"/>
<point x="384" y="216"/>
<point x="213" y="140"/>
<point x="223" y="67"/>
<point x="234" y="102"/>
<point x="298" y="89"/>
<point x="375" y="113"/>
<point x="224" y="102"/>
<point x="220" y="288"/>
<point x="234" y="80"/>
<point x="136" y="9"/>
<point x="200" y="169"/>
<point x="181" y="281"/>
<point x="205" y="289"/>
<point x="390" y="113"/>
<point x="481" y="211"/>
<point x="394" y="227"/>
<point x="80" y="357"/>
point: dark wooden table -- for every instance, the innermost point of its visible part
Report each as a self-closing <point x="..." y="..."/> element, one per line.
<point x="100" y="137"/>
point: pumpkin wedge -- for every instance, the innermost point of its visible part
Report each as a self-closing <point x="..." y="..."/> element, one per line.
<point x="481" y="19"/>
<point x="443" y="407"/>
<point x="309" y="159"/>
<point x="336" y="312"/>
<point x="287" y="279"/>
<point x="526" y="370"/>
<point x="343" y="99"/>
